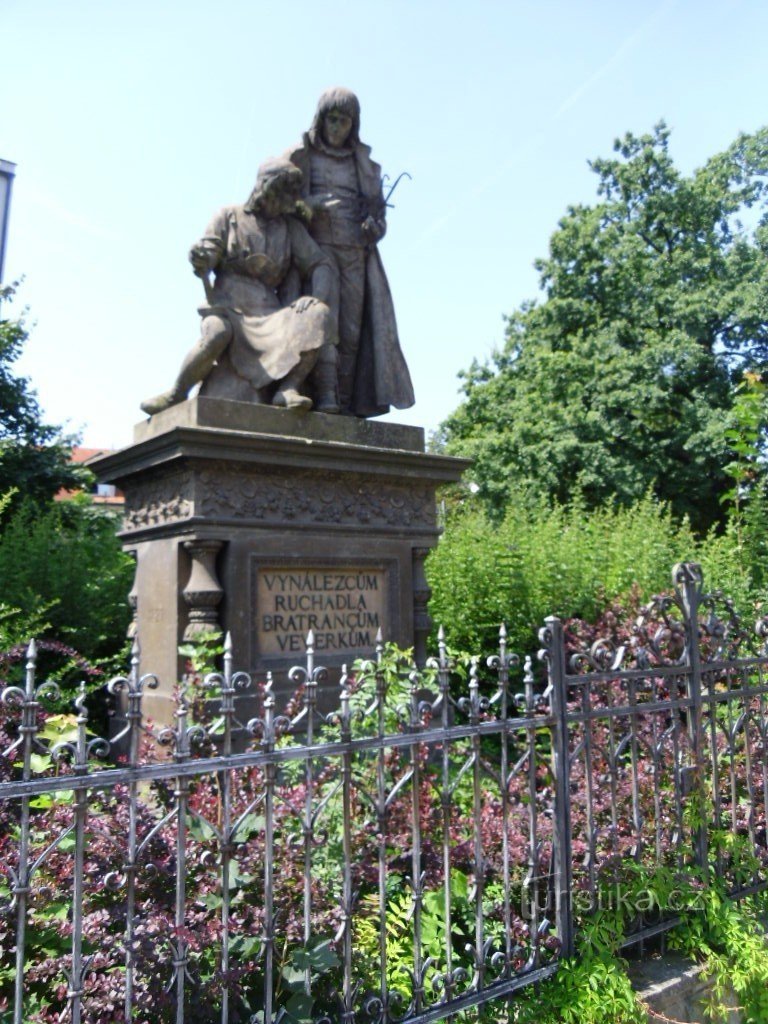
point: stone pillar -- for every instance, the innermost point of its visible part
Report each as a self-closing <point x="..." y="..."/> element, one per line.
<point x="422" y="622"/>
<point x="203" y="592"/>
<point x="133" y="595"/>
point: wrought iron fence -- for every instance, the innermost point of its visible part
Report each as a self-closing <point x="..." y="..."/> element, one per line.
<point x="664" y="734"/>
<point x="427" y="847"/>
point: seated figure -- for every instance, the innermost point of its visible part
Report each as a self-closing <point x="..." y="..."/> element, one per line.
<point x="256" y="344"/>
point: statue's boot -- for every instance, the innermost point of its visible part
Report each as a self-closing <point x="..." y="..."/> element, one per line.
<point x="198" y="363"/>
<point x="290" y="398"/>
<point x="163" y="401"/>
<point x="346" y="389"/>
<point x="288" y="394"/>
<point x="324" y="379"/>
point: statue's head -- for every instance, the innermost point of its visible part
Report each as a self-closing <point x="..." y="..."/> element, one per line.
<point x="277" y="189"/>
<point x="337" y="119"/>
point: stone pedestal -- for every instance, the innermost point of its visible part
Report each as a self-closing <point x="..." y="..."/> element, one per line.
<point x="267" y="523"/>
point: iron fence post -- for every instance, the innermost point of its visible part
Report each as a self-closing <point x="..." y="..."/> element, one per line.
<point x="181" y="753"/>
<point x="687" y="577"/>
<point x="446" y="805"/>
<point x="130" y="867"/>
<point x="21" y="889"/>
<point x="554" y="654"/>
<point x="381" y="822"/>
<point x="76" y="989"/>
<point x="227" y="693"/>
<point x="417" y="875"/>
<point x="475" y="709"/>
<point x="501" y="662"/>
<point x="533" y="896"/>
<point x="347" y="899"/>
<point x="270" y="781"/>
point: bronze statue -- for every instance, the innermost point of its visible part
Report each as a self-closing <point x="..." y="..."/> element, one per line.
<point x="342" y="187"/>
<point x="260" y="336"/>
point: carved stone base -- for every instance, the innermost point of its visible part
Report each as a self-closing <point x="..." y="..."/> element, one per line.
<point x="269" y="523"/>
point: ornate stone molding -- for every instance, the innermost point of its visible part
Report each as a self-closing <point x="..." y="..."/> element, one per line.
<point x="159" y="500"/>
<point x="307" y="497"/>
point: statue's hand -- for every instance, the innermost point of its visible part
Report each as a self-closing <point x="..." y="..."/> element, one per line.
<point x="321" y="201"/>
<point x="200" y="259"/>
<point x="372" y="230"/>
<point x="303" y="303"/>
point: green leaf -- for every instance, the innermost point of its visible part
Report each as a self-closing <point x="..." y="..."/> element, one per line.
<point x="200" y="829"/>
<point x="299" y="1008"/>
<point x="293" y="974"/>
<point x="40" y="763"/>
<point x="322" y="957"/>
<point x="251" y="824"/>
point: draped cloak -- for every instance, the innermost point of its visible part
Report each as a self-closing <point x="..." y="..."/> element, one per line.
<point x="382" y="378"/>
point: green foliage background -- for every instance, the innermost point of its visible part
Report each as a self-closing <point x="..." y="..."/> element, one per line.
<point x="545" y="560"/>
<point x="63" y="575"/>
<point x="622" y="427"/>
<point x="34" y="455"/>
<point x="563" y="560"/>
<point x="620" y="379"/>
<point x="66" y="577"/>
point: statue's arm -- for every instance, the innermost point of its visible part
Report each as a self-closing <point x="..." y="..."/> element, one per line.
<point x="375" y="223"/>
<point x="208" y="253"/>
<point x="311" y="261"/>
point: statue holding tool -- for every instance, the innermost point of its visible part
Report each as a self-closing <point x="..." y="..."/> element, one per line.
<point x="299" y="313"/>
<point x="343" y="188"/>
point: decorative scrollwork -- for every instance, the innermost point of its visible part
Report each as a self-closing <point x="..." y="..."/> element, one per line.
<point x="27" y="700"/>
<point x="474" y="705"/>
<point x="82" y="749"/>
<point x="603" y="656"/>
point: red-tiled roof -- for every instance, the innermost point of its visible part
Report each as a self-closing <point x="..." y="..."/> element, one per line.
<point x="83" y="454"/>
<point x="80" y="456"/>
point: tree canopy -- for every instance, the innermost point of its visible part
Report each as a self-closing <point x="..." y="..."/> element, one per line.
<point x="34" y="456"/>
<point x="64" y="575"/>
<point x="619" y="380"/>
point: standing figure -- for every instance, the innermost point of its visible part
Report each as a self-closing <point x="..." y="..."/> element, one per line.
<point x="342" y="187"/>
<point x="257" y="345"/>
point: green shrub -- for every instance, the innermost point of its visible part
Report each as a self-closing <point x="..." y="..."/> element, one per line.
<point x="63" y="572"/>
<point x="541" y="560"/>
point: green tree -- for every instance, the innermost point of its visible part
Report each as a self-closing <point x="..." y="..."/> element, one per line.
<point x="620" y="379"/>
<point x="65" y="578"/>
<point x="34" y="456"/>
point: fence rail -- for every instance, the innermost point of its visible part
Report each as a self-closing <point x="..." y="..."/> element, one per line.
<point x="428" y="846"/>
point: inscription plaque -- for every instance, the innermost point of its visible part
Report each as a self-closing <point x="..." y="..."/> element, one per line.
<point x="344" y="608"/>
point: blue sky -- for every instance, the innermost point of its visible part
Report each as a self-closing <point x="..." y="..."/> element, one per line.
<point x="131" y="123"/>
